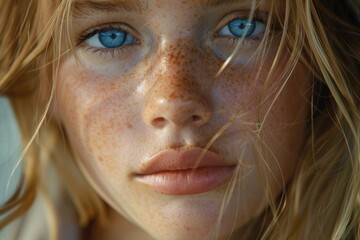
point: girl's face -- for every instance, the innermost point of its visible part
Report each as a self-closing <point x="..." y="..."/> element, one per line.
<point x="140" y="103"/>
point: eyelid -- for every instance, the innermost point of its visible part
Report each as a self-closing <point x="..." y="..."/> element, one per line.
<point x="257" y="16"/>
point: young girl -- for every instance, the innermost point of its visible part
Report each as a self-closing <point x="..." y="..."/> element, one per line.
<point x="204" y="119"/>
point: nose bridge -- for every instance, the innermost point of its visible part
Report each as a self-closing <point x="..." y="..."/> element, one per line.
<point x="177" y="95"/>
<point x="179" y="65"/>
<point x="176" y="78"/>
<point x="177" y="55"/>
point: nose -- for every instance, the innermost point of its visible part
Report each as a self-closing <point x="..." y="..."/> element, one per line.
<point x="179" y="96"/>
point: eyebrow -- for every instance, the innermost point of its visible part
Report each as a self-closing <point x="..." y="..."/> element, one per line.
<point x="85" y="6"/>
<point x="216" y="3"/>
<point x="138" y="6"/>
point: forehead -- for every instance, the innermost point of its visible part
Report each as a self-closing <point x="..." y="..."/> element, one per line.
<point x="143" y="5"/>
<point x="146" y="2"/>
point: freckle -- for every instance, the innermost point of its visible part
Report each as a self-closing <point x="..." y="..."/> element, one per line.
<point x="173" y="96"/>
<point x="129" y="125"/>
<point x="113" y="86"/>
<point x="101" y="159"/>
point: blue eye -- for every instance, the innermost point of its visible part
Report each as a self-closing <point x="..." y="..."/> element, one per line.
<point x="242" y="27"/>
<point x="110" y="38"/>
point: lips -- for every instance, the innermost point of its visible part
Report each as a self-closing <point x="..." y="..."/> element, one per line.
<point x="185" y="172"/>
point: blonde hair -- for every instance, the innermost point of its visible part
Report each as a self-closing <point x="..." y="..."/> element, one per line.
<point x="25" y="76"/>
<point x="322" y="201"/>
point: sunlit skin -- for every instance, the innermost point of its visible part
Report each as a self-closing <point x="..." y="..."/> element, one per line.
<point x="121" y="107"/>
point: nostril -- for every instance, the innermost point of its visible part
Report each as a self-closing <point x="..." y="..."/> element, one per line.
<point x="193" y="112"/>
<point x="158" y="122"/>
<point x="196" y="119"/>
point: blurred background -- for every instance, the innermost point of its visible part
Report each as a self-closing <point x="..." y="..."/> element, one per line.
<point x="10" y="148"/>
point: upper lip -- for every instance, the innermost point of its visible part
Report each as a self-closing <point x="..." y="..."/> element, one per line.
<point x="177" y="160"/>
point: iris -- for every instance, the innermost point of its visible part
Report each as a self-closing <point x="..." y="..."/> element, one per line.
<point x="112" y="38"/>
<point x="242" y="27"/>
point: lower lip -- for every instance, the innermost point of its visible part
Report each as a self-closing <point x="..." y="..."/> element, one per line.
<point x="189" y="181"/>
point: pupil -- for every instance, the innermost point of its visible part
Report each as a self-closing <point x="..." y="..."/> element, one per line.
<point x="242" y="26"/>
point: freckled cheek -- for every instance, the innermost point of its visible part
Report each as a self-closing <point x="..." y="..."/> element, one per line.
<point x="285" y="126"/>
<point x="109" y="124"/>
<point x="285" y="114"/>
<point x="98" y="120"/>
<point x="237" y="93"/>
<point x="291" y="99"/>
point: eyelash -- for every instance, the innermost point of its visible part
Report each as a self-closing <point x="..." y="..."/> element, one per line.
<point x="258" y="17"/>
<point x="105" y="27"/>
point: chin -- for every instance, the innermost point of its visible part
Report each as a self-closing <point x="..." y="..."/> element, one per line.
<point x="192" y="219"/>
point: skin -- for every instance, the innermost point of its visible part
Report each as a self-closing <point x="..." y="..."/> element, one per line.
<point x="119" y="109"/>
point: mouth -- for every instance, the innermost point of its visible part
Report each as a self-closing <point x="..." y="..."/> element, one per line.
<point x="185" y="172"/>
